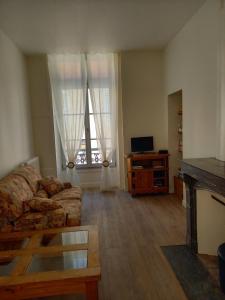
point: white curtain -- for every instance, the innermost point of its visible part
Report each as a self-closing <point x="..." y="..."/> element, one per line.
<point x="102" y="70"/>
<point x="68" y="78"/>
<point x="221" y="85"/>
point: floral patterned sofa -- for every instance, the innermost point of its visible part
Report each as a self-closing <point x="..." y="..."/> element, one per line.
<point x="30" y="202"/>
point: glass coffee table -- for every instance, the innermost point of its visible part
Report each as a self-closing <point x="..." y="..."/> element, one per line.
<point x="50" y="262"/>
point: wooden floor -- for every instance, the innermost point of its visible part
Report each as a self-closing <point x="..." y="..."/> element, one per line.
<point x="131" y="233"/>
<point x="211" y="264"/>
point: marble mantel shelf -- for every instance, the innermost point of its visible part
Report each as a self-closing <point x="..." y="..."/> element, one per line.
<point x="200" y="173"/>
<point x="210" y="165"/>
<point x="208" y="172"/>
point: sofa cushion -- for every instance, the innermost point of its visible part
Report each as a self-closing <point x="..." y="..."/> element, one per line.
<point x="14" y="191"/>
<point x="31" y="175"/>
<point x="67" y="194"/>
<point x="56" y="218"/>
<point x="31" y="221"/>
<point x="41" y="220"/>
<point x="43" y="204"/>
<point x="41" y="193"/>
<point x="51" y="185"/>
<point x="5" y="225"/>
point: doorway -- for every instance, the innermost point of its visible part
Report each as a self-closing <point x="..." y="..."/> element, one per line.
<point x="175" y="142"/>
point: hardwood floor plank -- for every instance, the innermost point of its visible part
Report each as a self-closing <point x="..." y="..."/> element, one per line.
<point x="131" y="231"/>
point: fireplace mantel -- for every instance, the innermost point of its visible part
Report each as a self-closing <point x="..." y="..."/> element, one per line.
<point x="200" y="173"/>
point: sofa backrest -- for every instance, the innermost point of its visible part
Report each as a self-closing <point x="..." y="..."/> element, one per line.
<point x="31" y="175"/>
<point x="14" y="191"/>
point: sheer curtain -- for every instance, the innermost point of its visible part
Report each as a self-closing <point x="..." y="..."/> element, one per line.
<point x="221" y="85"/>
<point x="68" y="78"/>
<point x="102" y="70"/>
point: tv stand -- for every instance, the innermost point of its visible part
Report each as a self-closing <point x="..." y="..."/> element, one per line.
<point x="148" y="173"/>
<point x="143" y="152"/>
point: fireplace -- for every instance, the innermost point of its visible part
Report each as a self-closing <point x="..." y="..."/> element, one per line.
<point x="201" y="174"/>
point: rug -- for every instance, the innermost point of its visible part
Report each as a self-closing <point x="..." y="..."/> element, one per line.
<point x="191" y="273"/>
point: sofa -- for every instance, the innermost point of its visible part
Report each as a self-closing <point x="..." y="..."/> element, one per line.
<point x="30" y="202"/>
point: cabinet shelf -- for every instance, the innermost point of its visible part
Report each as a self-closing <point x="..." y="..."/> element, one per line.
<point x="149" y="169"/>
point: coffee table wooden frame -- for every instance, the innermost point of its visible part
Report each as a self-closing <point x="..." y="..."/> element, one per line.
<point x="19" y="285"/>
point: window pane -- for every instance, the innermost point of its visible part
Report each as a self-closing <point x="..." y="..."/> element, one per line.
<point x="73" y="105"/>
<point x="96" y="157"/>
<point x="94" y="144"/>
<point x="92" y="127"/>
<point x="89" y="102"/>
<point x="102" y="109"/>
<point x="81" y="158"/>
<point x="102" y="103"/>
<point x="83" y="145"/>
<point x="83" y="135"/>
<point x="69" y="144"/>
<point x="73" y="101"/>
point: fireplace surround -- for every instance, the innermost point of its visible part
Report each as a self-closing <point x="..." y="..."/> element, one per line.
<point x="200" y="173"/>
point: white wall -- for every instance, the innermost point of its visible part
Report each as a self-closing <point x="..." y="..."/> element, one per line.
<point x="210" y="222"/>
<point x="144" y="110"/>
<point x="41" y="110"/>
<point x="16" y="143"/>
<point x="191" y="65"/>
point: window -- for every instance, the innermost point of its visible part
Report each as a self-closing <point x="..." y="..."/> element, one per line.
<point x="88" y="134"/>
<point x="89" y="154"/>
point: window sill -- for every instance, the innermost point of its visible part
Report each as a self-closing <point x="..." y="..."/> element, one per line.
<point x="93" y="167"/>
<point x="88" y="167"/>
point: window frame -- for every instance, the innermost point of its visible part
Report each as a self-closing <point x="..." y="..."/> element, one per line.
<point x="88" y="139"/>
<point x="87" y="129"/>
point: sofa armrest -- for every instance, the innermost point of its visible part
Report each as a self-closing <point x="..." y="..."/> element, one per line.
<point x="43" y="204"/>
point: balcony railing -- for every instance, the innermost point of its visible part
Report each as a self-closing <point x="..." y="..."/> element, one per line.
<point x="82" y="158"/>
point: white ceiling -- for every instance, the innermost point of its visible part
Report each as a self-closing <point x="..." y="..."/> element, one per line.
<point x="38" y="26"/>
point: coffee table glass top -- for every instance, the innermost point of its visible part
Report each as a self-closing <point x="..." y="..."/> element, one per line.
<point x="67" y="238"/>
<point x="7" y="267"/>
<point x="50" y="262"/>
<point x="49" y="250"/>
<point x="64" y="260"/>
<point x="58" y="262"/>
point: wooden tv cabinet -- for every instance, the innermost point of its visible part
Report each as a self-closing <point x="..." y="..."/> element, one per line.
<point x="148" y="173"/>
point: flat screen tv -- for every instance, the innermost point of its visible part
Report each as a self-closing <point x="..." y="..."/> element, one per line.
<point x="142" y="144"/>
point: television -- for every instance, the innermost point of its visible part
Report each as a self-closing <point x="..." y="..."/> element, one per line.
<point x="142" y="144"/>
